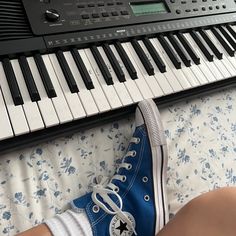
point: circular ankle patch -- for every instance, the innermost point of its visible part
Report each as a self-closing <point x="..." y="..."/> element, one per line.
<point x="120" y="228"/>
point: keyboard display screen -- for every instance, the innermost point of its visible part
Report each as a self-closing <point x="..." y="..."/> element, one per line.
<point x="147" y="8"/>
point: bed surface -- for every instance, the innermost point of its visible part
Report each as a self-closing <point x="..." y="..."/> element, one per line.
<point x="38" y="182"/>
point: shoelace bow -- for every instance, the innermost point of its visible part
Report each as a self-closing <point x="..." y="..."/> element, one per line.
<point x="111" y="188"/>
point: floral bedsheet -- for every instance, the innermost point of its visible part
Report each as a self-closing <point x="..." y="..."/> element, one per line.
<point x="38" y="182"/>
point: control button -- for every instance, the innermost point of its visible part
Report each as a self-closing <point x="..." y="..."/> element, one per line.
<point x="195" y="9"/>
<point x="194" y="1"/>
<point x="188" y="10"/>
<point x="204" y="0"/>
<point x="121" y="3"/>
<point x="114" y="13"/>
<point x="224" y="6"/>
<point x="183" y="2"/>
<point x="105" y="14"/>
<point x="210" y="8"/>
<point x="178" y="11"/>
<point x="101" y="4"/>
<point x="52" y="15"/>
<point x="95" y="15"/>
<point x="203" y="8"/>
<point x="217" y="7"/>
<point x="110" y="3"/>
<point x="124" y="13"/>
<point x="172" y="1"/>
<point x="46" y="1"/>
<point x="81" y="6"/>
<point x="85" y="16"/>
<point x="91" y="4"/>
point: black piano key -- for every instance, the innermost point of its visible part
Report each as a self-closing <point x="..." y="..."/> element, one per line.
<point x="188" y="48"/>
<point x="102" y="66"/>
<point x="155" y="55"/>
<point x="231" y="30"/>
<point x="201" y="45"/>
<point x="115" y="64"/>
<point x="45" y="76"/>
<point x="82" y="69"/>
<point x="179" y="49"/>
<point x="212" y="46"/>
<point x="228" y="37"/>
<point x="229" y="50"/>
<point x="143" y="57"/>
<point x="67" y="72"/>
<point x="125" y="58"/>
<point x="171" y="54"/>
<point x="29" y="80"/>
<point x="12" y="82"/>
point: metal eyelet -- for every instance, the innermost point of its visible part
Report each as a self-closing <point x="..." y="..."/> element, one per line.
<point x="133" y="153"/>
<point x="129" y="167"/>
<point x="137" y="141"/>
<point x="146" y="198"/>
<point x="145" y="179"/>
<point x="96" y="209"/>
<point x="117" y="189"/>
<point x="123" y="178"/>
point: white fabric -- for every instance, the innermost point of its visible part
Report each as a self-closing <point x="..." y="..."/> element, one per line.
<point x="70" y="223"/>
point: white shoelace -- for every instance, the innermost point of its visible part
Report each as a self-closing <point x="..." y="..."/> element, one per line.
<point x="111" y="188"/>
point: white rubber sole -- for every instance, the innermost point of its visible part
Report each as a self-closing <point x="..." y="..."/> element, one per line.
<point x="158" y="145"/>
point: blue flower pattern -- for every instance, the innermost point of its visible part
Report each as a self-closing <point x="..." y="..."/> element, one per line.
<point x="38" y="182"/>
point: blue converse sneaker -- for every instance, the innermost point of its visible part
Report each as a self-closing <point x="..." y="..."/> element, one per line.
<point x="134" y="201"/>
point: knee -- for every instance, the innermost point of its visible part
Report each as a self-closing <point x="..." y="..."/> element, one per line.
<point x="220" y="198"/>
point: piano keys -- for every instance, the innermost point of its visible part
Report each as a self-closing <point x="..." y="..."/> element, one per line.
<point x="44" y="90"/>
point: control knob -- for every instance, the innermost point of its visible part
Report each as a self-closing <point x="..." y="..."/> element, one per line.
<point x="52" y="15"/>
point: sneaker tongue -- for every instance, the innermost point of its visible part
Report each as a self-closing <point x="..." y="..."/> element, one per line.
<point x="138" y="118"/>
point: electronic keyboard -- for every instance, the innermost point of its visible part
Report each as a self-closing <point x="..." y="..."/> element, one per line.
<point x="70" y="65"/>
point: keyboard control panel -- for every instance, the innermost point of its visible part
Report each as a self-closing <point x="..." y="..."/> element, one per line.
<point x="53" y="16"/>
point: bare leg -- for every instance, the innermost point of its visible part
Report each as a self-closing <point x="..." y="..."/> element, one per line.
<point x="211" y="214"/>
<point x="41" y="230"/>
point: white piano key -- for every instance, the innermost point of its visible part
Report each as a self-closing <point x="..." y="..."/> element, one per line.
<point x="108" y="90"/>
<point x="194" y="68"/>
<point x="155" y="90"/>
<point x="234" y="28"/>
<point x="160" y="77"/>
<point x="97" y="93"/>
<point x="228" y="61"/>
<point x="189" y="75"/>
<point x="5" y="124"/>
<point x="30" y="108"/>
<point x="151" y="81"/>
<point x="72" y="99"/>
<point x="178" y="74"/>
<point x="16" y="113"/>
<point x="119" y="87"/>
<point x="211" y="65"/>
<point x="130" y="84"/>
<point x="140" y="81"/>
<point x="46" y="107"/>
<point x="219" y="63"/>
<point x="84" y="94"/>
<point x="59" y="102"/>
<point x="173" y="81"/>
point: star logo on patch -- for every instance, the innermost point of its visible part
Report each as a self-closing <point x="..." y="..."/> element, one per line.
<point x="120" y="228"/>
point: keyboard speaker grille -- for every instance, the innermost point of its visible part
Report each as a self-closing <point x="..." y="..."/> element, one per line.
<point x="13" y="21"/>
